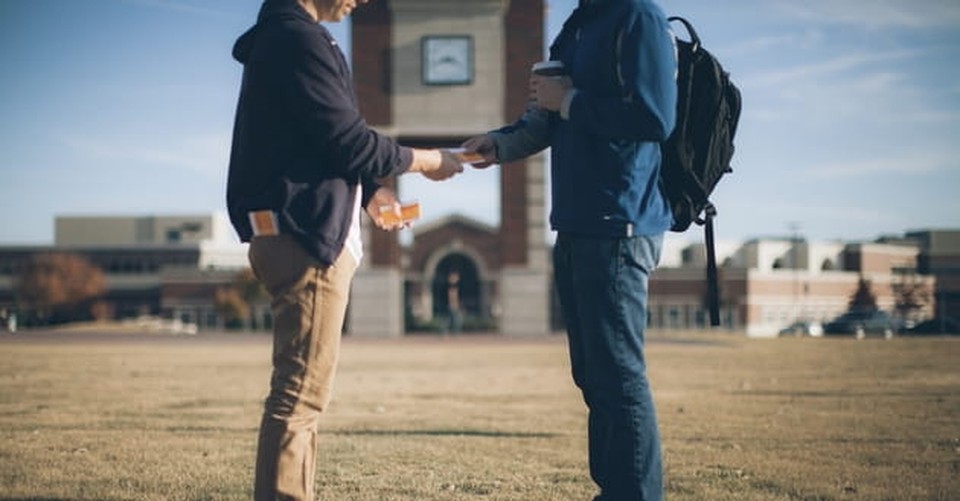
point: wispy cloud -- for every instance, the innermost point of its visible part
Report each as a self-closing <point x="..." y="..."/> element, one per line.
<point x="867" y="88"/>
<point x="179" y="6"/>
<point x="204" y="155"/>
<point x="931" y="116"/>
<point x="749" y="46"/>
<point x="811" y="216"/>
<point x="907" y="164"/>
<point x="820" y="69"/>
<point x="850" y="213"/>
<point x="876" y="14"/>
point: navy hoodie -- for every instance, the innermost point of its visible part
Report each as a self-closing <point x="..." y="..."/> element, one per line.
<point x="300" y="146"/>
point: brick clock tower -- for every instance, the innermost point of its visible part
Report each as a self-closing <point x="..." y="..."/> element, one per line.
<point x="432" y="73"/>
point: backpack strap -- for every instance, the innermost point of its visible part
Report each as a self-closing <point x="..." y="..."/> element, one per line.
<point x="713" y="284"/>
<point x="694" y="38"/>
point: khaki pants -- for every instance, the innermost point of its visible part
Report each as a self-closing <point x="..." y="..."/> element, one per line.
<point x="309" y="302"/>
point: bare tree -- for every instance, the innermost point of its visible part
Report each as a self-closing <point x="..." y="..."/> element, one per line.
<point x="911" y="294"/>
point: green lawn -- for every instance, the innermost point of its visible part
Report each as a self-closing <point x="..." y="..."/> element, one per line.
<point x="138" y="418"/>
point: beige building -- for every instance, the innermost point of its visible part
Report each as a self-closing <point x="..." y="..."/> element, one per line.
<point x="768" y="284"/>
<point x="153" y="265"/>
<point x="940" y="257"/>
<point x="172" y="266"/>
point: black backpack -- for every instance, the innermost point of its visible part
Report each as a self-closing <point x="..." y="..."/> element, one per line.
<point x="699" y="150"/>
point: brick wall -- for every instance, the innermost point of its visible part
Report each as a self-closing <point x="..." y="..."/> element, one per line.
<point x="455" y="229"/>
<point x="371" y="63"/>
<point x="524" y="33"/>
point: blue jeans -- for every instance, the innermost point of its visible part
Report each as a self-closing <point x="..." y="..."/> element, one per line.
<point x="602" y="284"/>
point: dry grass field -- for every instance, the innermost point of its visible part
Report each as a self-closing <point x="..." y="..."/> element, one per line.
<point x="118" y="417"/>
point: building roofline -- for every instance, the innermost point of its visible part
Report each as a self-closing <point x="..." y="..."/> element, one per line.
<point x="427" y="227"/>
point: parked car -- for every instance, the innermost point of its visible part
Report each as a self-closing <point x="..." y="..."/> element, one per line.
<point x="810" y="328"/>
<point x="863" y="323"/>
<point x="935" y="326"/>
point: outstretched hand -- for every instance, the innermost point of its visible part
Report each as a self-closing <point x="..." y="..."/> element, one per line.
<point x="484" y="146"/>
<point x="449" y="166"/>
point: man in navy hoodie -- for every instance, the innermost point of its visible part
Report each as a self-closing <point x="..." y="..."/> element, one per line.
<point x="302" y="165"/>
<point x="604" y="123"/>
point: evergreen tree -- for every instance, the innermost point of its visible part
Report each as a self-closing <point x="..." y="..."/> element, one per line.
<point x="863" y="298"/>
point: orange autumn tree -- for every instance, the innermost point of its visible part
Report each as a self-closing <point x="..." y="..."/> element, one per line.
<point x="234" y="302"/>
<point x="59" y="287"/>
<point x="231" y="307"/>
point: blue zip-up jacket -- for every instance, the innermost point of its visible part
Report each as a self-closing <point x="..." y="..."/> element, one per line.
<point x="605" y="158"/>
<point x="300" y="146"/>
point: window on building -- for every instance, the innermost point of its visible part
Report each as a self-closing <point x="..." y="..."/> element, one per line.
<point x="701" y="319"/>
<point x="655" y="317"/>
<point x="674" y="317"/>
<point x="729" y="319"/>
<point x="768" y="314"/>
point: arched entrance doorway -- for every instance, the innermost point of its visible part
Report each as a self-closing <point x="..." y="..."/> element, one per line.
<point x="458" y="298"/>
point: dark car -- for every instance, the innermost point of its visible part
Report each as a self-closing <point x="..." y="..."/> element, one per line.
<point x="862" y="323"/>
<point x="935" y="326"/>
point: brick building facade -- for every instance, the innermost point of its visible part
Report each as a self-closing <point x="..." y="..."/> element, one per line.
<point x="765" y="284"/>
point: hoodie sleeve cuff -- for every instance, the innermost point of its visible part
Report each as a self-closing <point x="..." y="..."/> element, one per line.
<point x="405" y="160"/>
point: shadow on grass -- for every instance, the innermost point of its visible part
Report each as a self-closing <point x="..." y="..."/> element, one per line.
<point x="441" y="433"/>
<point x="36" y="499"/>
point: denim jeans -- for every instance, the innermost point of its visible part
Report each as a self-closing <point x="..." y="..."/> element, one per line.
<point x="309" y="302"/>
<point x="602" y="285"/>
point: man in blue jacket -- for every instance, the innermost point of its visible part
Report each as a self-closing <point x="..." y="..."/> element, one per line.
<point x="604" y="123"/>
<point x="302" y="165"/>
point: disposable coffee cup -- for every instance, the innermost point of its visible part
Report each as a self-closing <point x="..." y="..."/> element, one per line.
<point x="549" y="69"/>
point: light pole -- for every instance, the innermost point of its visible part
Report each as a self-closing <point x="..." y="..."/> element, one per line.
<point x="795" y="264"/>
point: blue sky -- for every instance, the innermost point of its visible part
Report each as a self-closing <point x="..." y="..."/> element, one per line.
<point x="850" y="128"/>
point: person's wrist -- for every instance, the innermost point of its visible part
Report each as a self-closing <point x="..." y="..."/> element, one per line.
<point x="436" y="160"/>
<point x="426" y="160"/>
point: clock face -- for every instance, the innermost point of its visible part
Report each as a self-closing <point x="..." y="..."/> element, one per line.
<point x="447" y="60"/>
